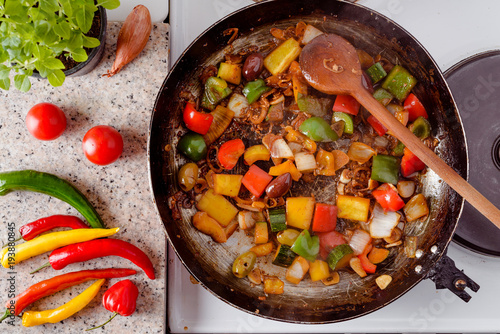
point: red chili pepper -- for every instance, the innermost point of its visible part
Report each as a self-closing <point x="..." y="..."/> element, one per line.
<point x="388" y="197"/>
<point x="325" y="218"/>
<point x="328" y="241"/>
<point x="230" y="152"/>
<point x="88" y="250"/>
<point x="347" y="104"/>
<point x="377" y="126"/>
<point x="410" y="163"/>
<point x="59" y="283"/>
<point x="120" y="299"/>
<point x="196" y="121"/>
<point x="365" y="263"/>
<point x="256" y="180"/>
<point x="34" y="229"/>
<point x="414" y="107"/>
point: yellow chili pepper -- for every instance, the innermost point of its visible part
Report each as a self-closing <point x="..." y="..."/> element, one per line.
<point x="297" y="137"/>
<point x="326" y="162"/>
<point x="47" y="242"/>
<point x="35" y="318"/>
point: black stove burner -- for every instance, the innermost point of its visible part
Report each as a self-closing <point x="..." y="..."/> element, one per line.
<point x="475" y="84"/>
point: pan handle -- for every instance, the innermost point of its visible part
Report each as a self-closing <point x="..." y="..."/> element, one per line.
<point x="447" y="276"/>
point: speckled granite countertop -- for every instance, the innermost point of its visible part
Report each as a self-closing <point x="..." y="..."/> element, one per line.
<point x="120" y="191"/>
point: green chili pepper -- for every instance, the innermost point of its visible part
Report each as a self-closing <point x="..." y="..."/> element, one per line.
<point x="314" y="105"/>
<point x="385" y="168"/>
<point x="306" y="246"/>
<point x="318" y="129"/>
<point x="51" y="185"/>
<point x="421" y="128"/>
<point x="347" y="119"/>
<point x="399" y="82"/>
<point x="376" y="72"/>
<point x="216" y="90"/>
<point x="399" y="149"/>
<point x="254" y="89"/>
<point x="382" y="96"/>
<point x="193" y="146"/>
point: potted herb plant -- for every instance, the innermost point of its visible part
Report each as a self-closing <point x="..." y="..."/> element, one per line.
<point x="51" y="39"/>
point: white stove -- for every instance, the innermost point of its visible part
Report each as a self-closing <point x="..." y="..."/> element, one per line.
<point x="451" y="30"/>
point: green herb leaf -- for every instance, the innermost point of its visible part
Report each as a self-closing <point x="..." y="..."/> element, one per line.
<point x="5" y="83"/>
<point x="109" y="4"/>
<point x="84" y="18"/>
<point x="49" y="5"/>
<point x="79" y="55"/>
<point x="42" y="70"/>
<point x="53" y="64"/>
<point x="90" y="42"/>
<point x="56" y="78"/>
<point x="42" y="27"/>
<point x="4" y="71"/>
<point x="62" y="29"/>
<point x="67" y="8"/>
<point x="22" y="82"/>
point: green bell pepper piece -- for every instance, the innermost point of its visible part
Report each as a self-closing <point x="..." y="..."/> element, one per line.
<point x="314" y="105"/>
<point x="318" y="129"/>
<point x="399" y="82"/>
<point x="385" y="168"/>
<point x="193" y="146"/>
<point x="382" y="96"/>
<point x="347" y="119"/>
<point x="216" y="90"/>
<point x="376" y="72"/>
<point x="254" y="89"/>
<point x="421" y="128"/>
<point x="399" y="149"/>
<point x="306" y="246"/>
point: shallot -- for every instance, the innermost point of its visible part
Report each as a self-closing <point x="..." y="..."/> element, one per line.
<point x="132" y="38"/>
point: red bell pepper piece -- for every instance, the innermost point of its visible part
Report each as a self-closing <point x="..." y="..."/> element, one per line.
<point x="410" y="163"/>
<point x="377" y="125"/>
<point x="328" y="241"/>
<point x="120" y="299"/>
<point x="196" y="121"/>
<point x="88" y="250"/>
<point x="388" y="197"/>
<point x="58" y="283"/>
<point x="369" y="267"/>
<point x="414" y="107"/>
<point x="347" y="104"/>
<point x="256" y="180"/>
<point x="325" y="218"/>
<point x="39" y="226"/>
<point x="230" y="152"/>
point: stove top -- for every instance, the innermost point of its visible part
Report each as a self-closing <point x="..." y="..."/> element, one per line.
<point x="451" y="30"/>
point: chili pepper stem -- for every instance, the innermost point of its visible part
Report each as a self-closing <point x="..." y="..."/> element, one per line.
<point x="40" y="268"/>
<point x="5" y="315"/>
<point x="114" y="315"/>
<point x="14" y="241"/>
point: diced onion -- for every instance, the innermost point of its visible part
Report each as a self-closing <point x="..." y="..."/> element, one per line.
<point x="416" y="208"/>
<point x="310" y="33"/>
<point x="359" y="240"/>
<point x="246" y="220"/>
<point x="295" y="147"/>
<point x="382" y="223"/>
<point x="360" y="152"/>
<point x="406" y="188"/>
<point x="380" y="142"/>
<point x="279" y="149"/>
<point x="238" y="104"/>
<point x="305" y="162"/>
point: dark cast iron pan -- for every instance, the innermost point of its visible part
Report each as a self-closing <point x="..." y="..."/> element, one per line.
<point x="210" y="263"/>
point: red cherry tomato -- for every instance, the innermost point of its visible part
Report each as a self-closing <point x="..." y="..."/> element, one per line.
<point x="102" y="145"/>
<point x="46" y="121"/>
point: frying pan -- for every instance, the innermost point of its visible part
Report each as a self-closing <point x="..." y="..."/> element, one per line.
<point x="308" y="302"/>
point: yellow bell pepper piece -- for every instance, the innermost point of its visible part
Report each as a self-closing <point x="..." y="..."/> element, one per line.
<point x="256" y="153"/>
<point x="217" y="207"/>
<point x="273" y="285"/>
<point x="299" y="212"/>
<point x="227" y="184"/>
<point x="286" y="167"/>
<point x="47" y="242"/>
<point x="281" y="57"/>
<point x="351" y="207"/>
<point x="35" y="318"/>
<point x="263" y="249"/>
<point x="325" y="162"/>
<point x="319" y="270"/>
<point x="230" y="73"/>
<point x="261" y="233"/>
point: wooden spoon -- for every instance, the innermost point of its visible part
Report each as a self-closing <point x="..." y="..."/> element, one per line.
<point x="330" y="64"/>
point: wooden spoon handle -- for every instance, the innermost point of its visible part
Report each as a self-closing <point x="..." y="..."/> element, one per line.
<point x="414" y="144"/>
